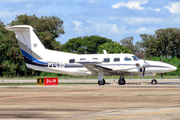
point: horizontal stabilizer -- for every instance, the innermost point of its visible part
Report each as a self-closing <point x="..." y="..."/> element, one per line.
<point x="17" y="28"/>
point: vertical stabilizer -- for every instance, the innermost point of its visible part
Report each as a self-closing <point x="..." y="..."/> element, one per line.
<point x="30" y="45"/>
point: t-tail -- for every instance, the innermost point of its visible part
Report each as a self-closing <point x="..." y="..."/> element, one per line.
<point x="30" y="45"/>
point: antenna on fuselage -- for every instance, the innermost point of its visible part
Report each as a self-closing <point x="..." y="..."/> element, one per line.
<point x="104" y="51"/>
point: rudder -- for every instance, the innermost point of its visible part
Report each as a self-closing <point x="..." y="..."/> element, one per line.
<point x="29" y="43"/>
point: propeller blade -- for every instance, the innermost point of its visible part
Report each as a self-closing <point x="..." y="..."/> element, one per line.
<point x="144" y="72"/>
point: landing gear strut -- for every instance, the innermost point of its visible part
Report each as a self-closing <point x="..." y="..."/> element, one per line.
<point x="154" y="81"/>
<point x="102" y="82"/>
<point x="122" y="80"/>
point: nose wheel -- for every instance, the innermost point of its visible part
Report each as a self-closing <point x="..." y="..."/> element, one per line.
<point x="154" y="82"/>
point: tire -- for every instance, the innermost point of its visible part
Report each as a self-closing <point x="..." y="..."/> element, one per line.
<point x="103" y="82"/>
<point x="122" y="82"/>
<point x="154" y="82"/>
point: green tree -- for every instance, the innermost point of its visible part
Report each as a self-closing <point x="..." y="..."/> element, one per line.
<point x="149" y="45"/>
<point x="128" y="42"/>
<point x="168" y="41"/>
<point x="86" y="44"/>
<point x="11" y="57"/>
<point x="113" y="47"/>
<point x="2" y="46"/>
<point x="135" y="49"/>
<point x="164" y="42"/>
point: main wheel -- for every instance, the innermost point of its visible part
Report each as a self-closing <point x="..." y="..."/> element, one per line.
<point x="154" y="82"/>
<point x="103" y="82"/>
<point x="122" y="81"/>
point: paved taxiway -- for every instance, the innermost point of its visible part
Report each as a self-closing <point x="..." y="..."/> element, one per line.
<point x="92" y="102"/>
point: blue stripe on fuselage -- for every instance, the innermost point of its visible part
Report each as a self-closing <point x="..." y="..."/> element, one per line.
<point x="25" y="54"/>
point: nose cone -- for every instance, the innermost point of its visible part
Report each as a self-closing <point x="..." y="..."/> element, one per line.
<point x="161" y="67"/>
<point x="173" y="68"/>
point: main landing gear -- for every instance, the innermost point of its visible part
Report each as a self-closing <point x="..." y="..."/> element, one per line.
<point x="102" y="82"/>
<point x="122" y="80"/>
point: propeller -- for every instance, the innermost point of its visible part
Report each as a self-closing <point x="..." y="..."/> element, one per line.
<point x="144" y="67"/>
<point x="143" y="64"/>
<point x="144" y="72"/>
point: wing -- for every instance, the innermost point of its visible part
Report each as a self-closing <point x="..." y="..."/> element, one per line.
<point x="93" y="67"/>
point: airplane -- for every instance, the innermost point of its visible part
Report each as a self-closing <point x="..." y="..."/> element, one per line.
<point x="37" y="57"/>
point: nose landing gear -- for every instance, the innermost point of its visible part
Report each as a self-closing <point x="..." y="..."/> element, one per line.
<point x="154" y="81"/>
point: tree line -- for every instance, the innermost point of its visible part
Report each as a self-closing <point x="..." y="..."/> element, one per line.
<point x="164" y="43"/>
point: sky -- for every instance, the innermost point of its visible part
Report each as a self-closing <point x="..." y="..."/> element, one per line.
<point x="113" y="19"/>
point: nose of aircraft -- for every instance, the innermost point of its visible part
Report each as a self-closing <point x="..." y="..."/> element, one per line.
<point x="161" y="67"/>
<point x="171" y="67"/>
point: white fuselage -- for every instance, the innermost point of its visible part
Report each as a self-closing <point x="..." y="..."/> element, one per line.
<point x="59" y="62"/>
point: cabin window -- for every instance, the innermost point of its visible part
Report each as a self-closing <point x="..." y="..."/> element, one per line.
<point x="83" y="59"/>
<point x="72" y="61"/>
<point x="116" y="59"/>
<point x="106" y="59"/>
<point x="127" y="58"/>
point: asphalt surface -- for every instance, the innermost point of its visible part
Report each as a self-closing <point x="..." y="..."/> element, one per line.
<point x="138" y="99"/>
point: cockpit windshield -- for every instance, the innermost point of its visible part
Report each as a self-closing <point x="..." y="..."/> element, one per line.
<point x="135" y="58"/>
